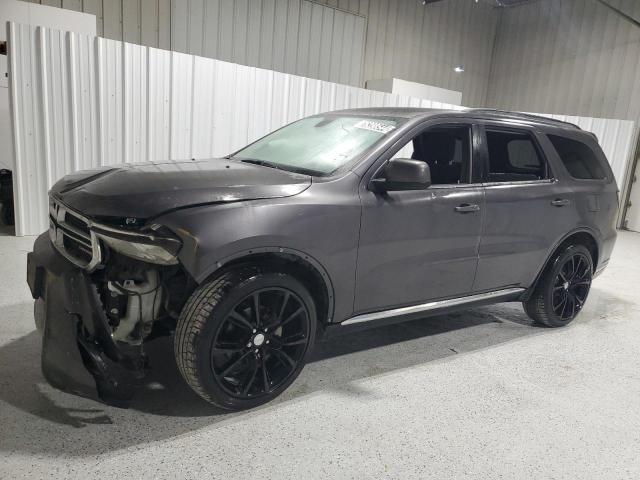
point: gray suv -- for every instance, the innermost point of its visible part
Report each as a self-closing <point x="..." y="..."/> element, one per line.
<point x="336" y="222"/>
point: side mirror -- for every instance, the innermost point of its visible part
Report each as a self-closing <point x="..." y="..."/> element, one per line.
<point x="403" y="174"/>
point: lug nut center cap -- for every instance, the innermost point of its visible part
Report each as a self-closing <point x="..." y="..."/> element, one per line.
<point x="566" y="285"/>
<point x="258" y="340"/>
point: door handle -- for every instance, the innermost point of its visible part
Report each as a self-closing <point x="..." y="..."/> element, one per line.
<point x="560" y="202"/>
<point x="467" y="207"/>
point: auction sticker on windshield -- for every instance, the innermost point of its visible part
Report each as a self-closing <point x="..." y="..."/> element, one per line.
<point x="375" y="126"/>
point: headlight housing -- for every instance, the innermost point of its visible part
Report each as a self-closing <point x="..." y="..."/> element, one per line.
<point x="155" y="244"/>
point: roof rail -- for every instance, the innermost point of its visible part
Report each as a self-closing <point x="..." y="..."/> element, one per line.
<point x="523" y="116"/>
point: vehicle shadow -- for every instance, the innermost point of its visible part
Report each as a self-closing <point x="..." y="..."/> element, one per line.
<point x="36" y="418"/>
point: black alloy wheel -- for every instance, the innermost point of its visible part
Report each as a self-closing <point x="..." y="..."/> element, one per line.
<point x="243" y="337"/>
<point x="260" y="343"/>
<point x="571" y="286"/>
<point x="562" y="290"/>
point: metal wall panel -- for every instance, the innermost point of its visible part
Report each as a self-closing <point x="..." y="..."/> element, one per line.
<point x="423" y="43"/>
<point x="83" y="102"/>
<point x="293" y="36"/>
<point x="568" y="56"/>
<point x="346" y="41"/>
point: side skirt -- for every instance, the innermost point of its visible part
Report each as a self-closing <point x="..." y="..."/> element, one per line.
<point x="414" y="312"/>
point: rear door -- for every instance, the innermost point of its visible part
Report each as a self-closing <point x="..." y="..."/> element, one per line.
<point x="527" y="209"/>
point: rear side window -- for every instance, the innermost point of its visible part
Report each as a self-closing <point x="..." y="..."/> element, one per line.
<point x="514" y="157"/>
<point x="578" y="158"/>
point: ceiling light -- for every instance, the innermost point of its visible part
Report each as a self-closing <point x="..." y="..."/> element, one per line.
<point x="459" y="69"/>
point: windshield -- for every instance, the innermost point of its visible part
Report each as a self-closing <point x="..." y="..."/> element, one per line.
<point x="318" y="145"/>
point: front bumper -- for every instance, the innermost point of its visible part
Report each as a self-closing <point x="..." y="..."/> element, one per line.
<point x="79" y="355"/>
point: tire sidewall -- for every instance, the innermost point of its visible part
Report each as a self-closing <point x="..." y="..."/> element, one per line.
<point x="234" y="294"/>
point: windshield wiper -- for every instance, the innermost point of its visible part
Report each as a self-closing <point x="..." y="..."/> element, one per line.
<point x="262" y="163"/>
<point x="286" y="168"/>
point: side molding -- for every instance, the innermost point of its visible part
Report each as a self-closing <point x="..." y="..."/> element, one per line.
<point x="436" y="305"/>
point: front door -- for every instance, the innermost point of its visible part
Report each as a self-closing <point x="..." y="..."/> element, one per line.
<point x="422" y="245"/>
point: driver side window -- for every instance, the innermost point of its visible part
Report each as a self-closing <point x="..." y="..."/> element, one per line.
<point x="447" y="151"/>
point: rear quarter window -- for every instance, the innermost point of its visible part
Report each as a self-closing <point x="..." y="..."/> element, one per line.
<point x="578" y="158"/>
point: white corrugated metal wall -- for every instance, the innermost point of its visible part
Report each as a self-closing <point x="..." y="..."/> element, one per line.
<point x="292" y="36"/>
<point x="404" y="39"/>
<point x="81" y="102"/>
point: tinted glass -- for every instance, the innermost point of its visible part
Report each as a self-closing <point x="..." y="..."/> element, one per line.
<point x="318" y="145"/>
<point x="579" y="160"/>
<point x="514" y="157"/>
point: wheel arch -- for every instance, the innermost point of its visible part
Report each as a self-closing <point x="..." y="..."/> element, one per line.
<point x="580" y="236"/>
<point x="298" y="264"/>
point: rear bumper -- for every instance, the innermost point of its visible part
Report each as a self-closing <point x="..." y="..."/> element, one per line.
<point x="78" y="354"/>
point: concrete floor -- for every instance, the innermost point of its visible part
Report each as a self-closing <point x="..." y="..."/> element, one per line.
<point x="479" y="394"/>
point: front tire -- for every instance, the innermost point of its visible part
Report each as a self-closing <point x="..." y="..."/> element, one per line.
<point x="243" y="337"/>
<point x="563" y="288"/>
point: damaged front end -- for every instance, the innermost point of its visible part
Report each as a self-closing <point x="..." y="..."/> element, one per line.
<point x="101" y="292"/>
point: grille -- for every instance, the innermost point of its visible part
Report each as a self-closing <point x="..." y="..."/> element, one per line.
<point x="70" y="233"/>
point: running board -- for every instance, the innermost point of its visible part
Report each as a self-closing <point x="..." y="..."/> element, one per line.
<point x="439" y="305"/>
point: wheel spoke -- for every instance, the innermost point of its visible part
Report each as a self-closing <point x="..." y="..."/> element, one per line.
<point x="575" y="266"/>
<point x="564" y="305"/>
<point x="251" y="379"/>
<point x="586" y="274"/>
<point x="562" y="301"/>
<point x="239" y="320"/>
<point x="234" y="364"/>
<point x="285" y="300"/>
<point x="289" y="318"/>
<point x="226" y="347"/>
<point x="281" y="355"/>
<point x="265" y="375"/>
<point x="256" y="308"/>
<point x="293" y="340"/>
<point x="573" y="306"/>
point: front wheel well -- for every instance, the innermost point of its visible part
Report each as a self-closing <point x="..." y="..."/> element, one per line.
<point x="299" y="268"/>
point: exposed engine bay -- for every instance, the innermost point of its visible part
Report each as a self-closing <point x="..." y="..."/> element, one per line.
<point x="109" y="290"/>
<point x="133" y="298"/>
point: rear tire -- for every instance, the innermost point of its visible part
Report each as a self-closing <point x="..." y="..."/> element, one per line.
<point x="243" y="337"/>
<point x="562" y="289"/>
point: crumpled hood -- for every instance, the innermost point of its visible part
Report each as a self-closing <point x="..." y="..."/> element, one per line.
<point x="146" y="190"/>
